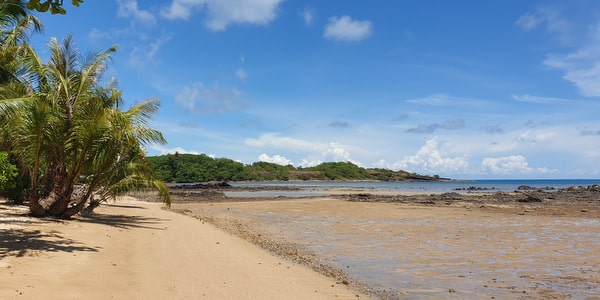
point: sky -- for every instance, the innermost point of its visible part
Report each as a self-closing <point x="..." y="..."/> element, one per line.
<point x="463" y="89"/>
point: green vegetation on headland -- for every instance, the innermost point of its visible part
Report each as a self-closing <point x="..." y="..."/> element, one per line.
<point x="185" y="168"/>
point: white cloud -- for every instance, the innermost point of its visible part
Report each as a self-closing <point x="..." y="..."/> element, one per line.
<point x="536" y="136"/>
<point x="511" y="165"/>
<point x="581" y="67"/>
<point x="222" y="13"/>
<point x="337" y="151"/>
<point x="310" y="163"/>
<point x="129" y="8"/>
<point x="441" y="99"/>
<point x="143" y="56"/>
<point x="313" y="151"/>
<point x="281" y="142"/>
<point x="276" y="159"/>
<point x="551" y="19"/>
<point x="529" y="21"/>
<point x="241" y="74"/>
<point x="162" y="150"/>
<point x="507" y="165"/>
<point x="347" y="29"/>
<point x="429" y="160"/>
<point x="200" y="99"/>
<point x="538" y="99"/>
<point x="308" y="16"/>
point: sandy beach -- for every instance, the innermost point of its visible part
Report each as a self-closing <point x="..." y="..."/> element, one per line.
<point x="136" y="250"/>
<point x="348" y="245"/>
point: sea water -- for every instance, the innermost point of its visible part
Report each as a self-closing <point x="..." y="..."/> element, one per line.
<point x="316" y="188"/>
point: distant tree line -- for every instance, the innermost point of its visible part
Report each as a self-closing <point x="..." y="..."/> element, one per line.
<point x="185" y="168"/>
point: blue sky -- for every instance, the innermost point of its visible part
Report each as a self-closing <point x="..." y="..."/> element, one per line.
<point x="463" y="89"/>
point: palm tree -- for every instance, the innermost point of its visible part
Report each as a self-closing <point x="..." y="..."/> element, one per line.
<point x="15" y="24"/>
<point x="69" y="133"/>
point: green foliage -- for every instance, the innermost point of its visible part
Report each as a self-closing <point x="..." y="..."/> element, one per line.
<point x="342" y="171"/>
<point x="53" y="6"/>
<point x="8" y="173"/>
<point x="69" y="135"/>
<point x="186" y="168"/>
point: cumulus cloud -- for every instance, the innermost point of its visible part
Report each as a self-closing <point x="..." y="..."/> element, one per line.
<point x="337" y="152"/>
<point x="162" y="150"/>
<point x="314" y="151"/>
<point x="310" y="163"/>
<point x="199" y="99"/>
<point x="129" y="9"/>
<point x="222" y="13"/>
<point x="276" y="159"/>
<point x="429" y="160"/>
<point x="513" y="164"/>
<point x="347" y="29"/>
<point x="430" y="128"/>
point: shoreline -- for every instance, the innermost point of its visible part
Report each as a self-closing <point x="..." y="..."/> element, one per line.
<point x="259" y="220"/>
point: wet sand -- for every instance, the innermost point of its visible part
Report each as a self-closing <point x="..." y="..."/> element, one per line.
<point x="406" y="248"/>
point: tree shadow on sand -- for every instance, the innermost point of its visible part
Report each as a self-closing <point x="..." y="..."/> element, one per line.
<point x="22" y="242"/>
<point x="124" y="221"/>
<point x="16" y="240"/>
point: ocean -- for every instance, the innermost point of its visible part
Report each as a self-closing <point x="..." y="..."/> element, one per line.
<point x="315" y="188"/>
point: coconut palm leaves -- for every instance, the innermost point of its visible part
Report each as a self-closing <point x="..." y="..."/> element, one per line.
<point x="15" y="24"/>
<point x="69" y="132"/>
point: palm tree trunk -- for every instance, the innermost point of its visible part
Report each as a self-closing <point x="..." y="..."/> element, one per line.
<point x="35" y="208"/>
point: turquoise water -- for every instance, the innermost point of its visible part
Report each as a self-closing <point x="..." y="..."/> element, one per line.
<point x="433" y="187"/>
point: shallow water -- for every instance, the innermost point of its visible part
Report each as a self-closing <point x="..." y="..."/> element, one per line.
<point x="460" y="254"/>
<point x="427" y="187"/>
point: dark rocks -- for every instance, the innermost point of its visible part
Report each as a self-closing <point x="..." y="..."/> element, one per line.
<point x="525" y="188"/>
<point x="451" y="196"/>
<point x="575" y="189"/>
<point x="593" y="188"/>
<point x="205" y="185"/>
<point x="530" y="199"/>
<point x="475" y="188"/>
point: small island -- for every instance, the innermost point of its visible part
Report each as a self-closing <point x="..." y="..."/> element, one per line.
<point x="187" y="168"/>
